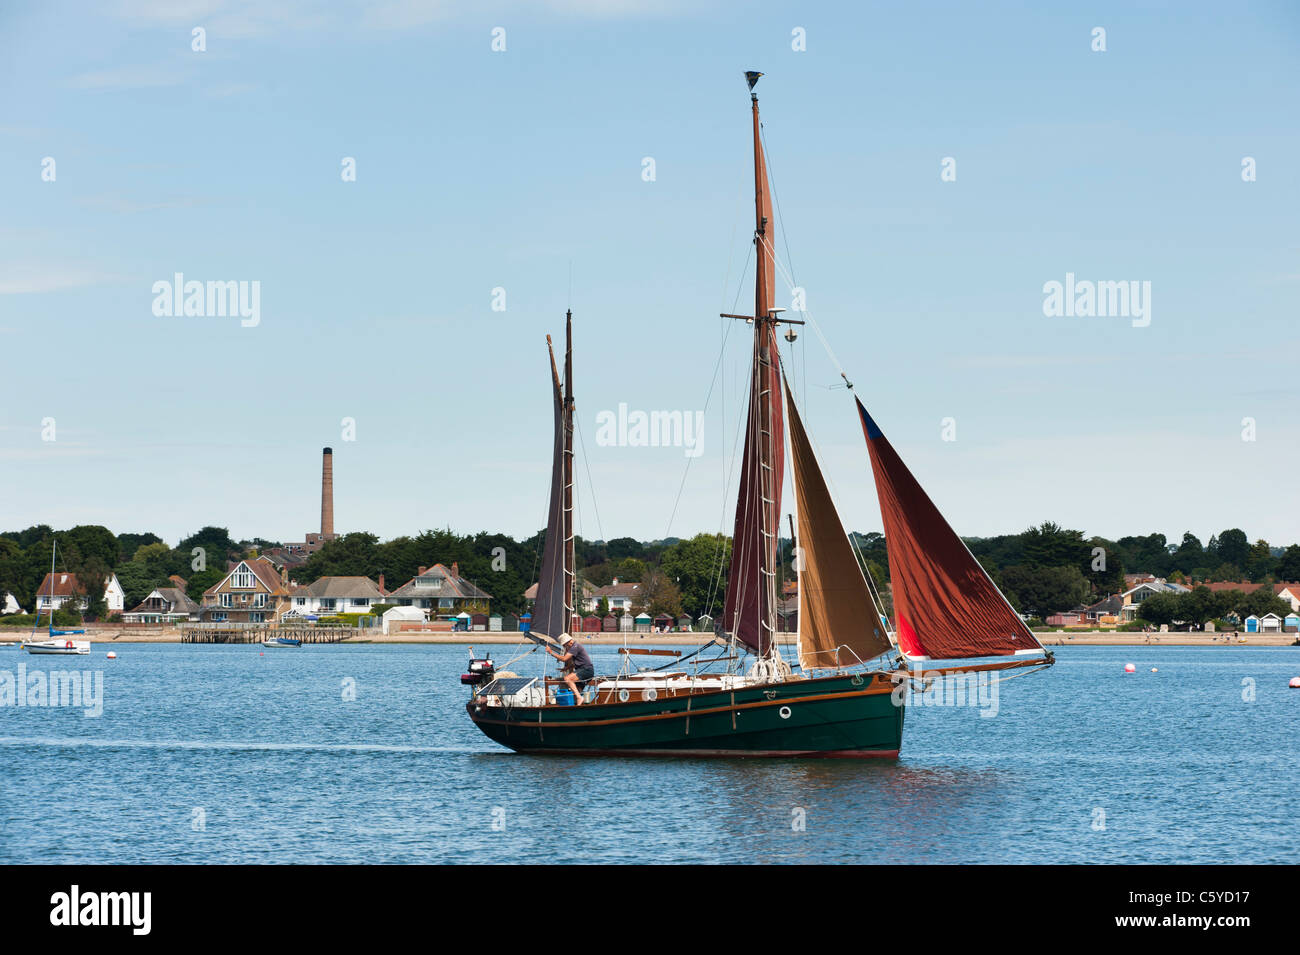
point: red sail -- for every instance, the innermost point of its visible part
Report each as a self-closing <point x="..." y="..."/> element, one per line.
<point x="945" y="605"/>
<point x="750" y="608"/>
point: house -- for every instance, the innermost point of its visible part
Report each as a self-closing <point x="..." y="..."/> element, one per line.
<point x="57" y="589"/>
<point x="444" y="593"/>
<point x="621" y="596"/>
<point x="330" y="595"/>
<point x="1155" y="585"/>
<point x="589" y="599"/>
<point x="1106" y="610"/>
<point x="163" y="605"/>
<point x="254" y="591"/>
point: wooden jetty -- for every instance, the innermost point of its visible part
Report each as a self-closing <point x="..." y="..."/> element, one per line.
<point x="254" y="633"/>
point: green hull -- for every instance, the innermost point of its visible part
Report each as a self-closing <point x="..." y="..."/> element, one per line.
<point x="840" y="716"/>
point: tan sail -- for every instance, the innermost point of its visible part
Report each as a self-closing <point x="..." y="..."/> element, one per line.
<point x="838" y="621"/>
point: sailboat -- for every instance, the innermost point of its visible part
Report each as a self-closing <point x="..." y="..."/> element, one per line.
<point x="838" y="698"/>
<point x="58" y="643"/>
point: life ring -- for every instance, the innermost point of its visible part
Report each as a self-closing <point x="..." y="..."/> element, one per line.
<point x="785" y="712"/>
<point x="67" y="645"/>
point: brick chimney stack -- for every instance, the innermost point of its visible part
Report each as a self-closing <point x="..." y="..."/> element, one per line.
<point x="381" y="584"/>
<point x="327" y="494"/>
<point x="455" y="570"/>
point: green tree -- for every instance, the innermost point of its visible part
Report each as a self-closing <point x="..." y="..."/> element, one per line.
<point x="1041" y="591"/>
<point x="1158" y="609"/>
<point x="698" y="568"/>
<point x="1231" y="547"/>
<point x="1288" y="565"/>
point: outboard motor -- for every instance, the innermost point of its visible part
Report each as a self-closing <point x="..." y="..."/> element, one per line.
<point x="481" y="671"/>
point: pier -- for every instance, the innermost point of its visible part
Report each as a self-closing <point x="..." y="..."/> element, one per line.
<point x="255" y="633"/>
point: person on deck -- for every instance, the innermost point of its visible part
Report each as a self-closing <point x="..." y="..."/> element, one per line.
<point x="578" y="664"/>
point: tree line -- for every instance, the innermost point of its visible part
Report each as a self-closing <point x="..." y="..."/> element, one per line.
<point x="1042" y="569"/>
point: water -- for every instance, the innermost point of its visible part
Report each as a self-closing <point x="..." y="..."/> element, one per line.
<point x="282" y="769"/>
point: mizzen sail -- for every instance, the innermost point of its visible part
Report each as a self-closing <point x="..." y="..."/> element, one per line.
<point x="553" y="608"/>
<point x="945" y="605"/>
<point x="838" y="621"/>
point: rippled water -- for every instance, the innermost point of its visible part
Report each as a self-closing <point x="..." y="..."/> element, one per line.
<point x="1082" y="763"/>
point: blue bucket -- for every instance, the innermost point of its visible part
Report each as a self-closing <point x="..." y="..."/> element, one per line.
<point x="565" y="697"/>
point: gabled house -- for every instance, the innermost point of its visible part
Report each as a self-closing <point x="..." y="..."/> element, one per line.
<point x="163" y="605"/>
<point x="254" y="591"/>
<point x="442" y="592"/>
<point x="621" y="596"/>
<point x="66" y="587"/>
<point x="1156" y="585"/>
<point x="330" y="595"/>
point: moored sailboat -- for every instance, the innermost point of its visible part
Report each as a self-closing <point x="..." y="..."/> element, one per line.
<point x="58" y="643"/>
<point x="837" y="699"/>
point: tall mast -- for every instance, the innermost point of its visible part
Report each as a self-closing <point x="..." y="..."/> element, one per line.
<point x="570" y="564"/>
<point x="750" y="613"/>
<point x="764" y="336"/>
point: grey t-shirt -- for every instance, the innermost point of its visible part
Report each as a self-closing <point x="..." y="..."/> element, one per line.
<point x="581" y="658"/>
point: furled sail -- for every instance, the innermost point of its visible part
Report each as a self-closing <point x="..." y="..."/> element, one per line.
<point x="838" y="621"/>
<point x="553" y="608"/>
<point x="945" y="605"/>
<point x="749" y="612"/>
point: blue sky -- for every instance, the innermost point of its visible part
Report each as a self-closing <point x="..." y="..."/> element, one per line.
<point x="522" y="169"/>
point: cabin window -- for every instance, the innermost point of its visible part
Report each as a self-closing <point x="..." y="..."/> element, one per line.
<point x="242" y="580"/>
<point x="227" y="600"/>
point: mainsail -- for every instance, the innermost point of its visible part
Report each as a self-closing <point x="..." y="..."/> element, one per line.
<point x="553" y="609"/>
<point x="838" y="621"/>
<point x="945" y="605"/>
<point x="749" y="612"/>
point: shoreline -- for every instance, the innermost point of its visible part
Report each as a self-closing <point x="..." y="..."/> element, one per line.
<point x="1096" y="638"/>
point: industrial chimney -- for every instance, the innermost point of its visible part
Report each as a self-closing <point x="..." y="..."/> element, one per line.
<point x="327" y="494"/>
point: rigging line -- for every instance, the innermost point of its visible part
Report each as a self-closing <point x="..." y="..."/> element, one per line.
<point x="808" y="315"/>
<point x="591" y="485"/>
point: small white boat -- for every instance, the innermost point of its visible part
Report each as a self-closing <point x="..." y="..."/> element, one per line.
<point x="277" y="642"/>
<point x="58" y="643"/>
<point x="58" y="647"/>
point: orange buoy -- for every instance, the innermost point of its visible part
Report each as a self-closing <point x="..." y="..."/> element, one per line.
<point x="1130" y="668"/>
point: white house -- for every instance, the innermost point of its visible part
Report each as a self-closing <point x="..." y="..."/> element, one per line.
<point x="57" y="589"/>
<point x="163" y="605"/>
<point x="330" y="595"/>
<point x="621" y="596"/>
<point x="9" y="604"/>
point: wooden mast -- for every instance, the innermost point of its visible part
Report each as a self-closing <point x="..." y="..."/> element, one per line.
<point x="764" y="333"/>
<point x="570" y="565"/>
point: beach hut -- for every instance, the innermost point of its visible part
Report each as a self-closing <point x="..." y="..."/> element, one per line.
<point x="609" y="624"/>
<point x="575" y="623"/>
<point x="704" y="624"/>
<point x="494" y="623"/>
<point x="663" y="623"/>
<point x="509" y="622"/>
<point x="643" y="622"/>
<point x="684" y="622"/>
<point x="1252" y="624"/>
<point x="394" y="617"/>
<point x="478" y="621"/>
<point x="591" y="625"/>
<point x="626" y="624"/>
<point x="1270" y="623"/>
